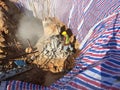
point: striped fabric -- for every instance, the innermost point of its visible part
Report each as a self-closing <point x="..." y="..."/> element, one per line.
<point x="98" y="65"/>
<point x="79" y="15"/>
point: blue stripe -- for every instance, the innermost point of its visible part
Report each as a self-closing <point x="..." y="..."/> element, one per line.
<point x="111" y="68"/>
<point x="110" y="10"/>
<point x="94" y="39"/>
<point x="114" y="51"/>
<point x="85" y="84"/>
<point x="114" y="56"/>
<point x="114" y="61"/>
<point x="110" y="46"/>
<point x="100" y="73"/>
<point x="57" y="85"/>
<point x="39" y="88"/>
<point x="116" y="38"/>
<point x="94" y="58"/>
<point x="114" y="28"/>
<point x="45" y="88"/>
<point x="98" y="27"/>
<point x="7" y="82"/>
<point x="34" y="86"/>
<point x="91" y="77"/>
<point x="116" y="8"/>
<point x="97" y="38"/>
<point x="114" y="44"/>
<point x="68" y="87"/>
<point x="113" y="6"/>
<point x="28" y="84"/>
<point x="13" y="85"/>
<point x="95" y="51"/>
<point x="105" y="36"/>
<point x="21" y="85"/>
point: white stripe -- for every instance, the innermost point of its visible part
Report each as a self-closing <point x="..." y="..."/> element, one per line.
<point x="3" y="85"/>
<point x="75" y="88"/>
<point x="77" y="84"/>
<point x="70" y="15"/>
<point x="88" y="6"/>
<point x="80" y="25"/>
<point x="99" y="77"/>
<point x="93" y="80"/>
<point x="89" y="83"/>
<point x="103" y="77"/>
<point x="91" y="31"/>
<point x="93" y="74"/>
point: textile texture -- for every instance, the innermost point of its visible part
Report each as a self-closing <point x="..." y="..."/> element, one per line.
<point x="96" y="24"/>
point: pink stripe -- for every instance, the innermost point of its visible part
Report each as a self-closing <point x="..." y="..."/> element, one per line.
<point x="31" y="86"/>
<point x="87" y="60"/>
<point x="116" y="58"/>
<point x="17" y="85"/>
<point x="59" y="83"/>
<point x="112" y="64"/>
<point x="9" y="85"/>
<point x="103" y="49"/>
<point x="36" y="87"/>
<point x="24" y="86"/>
<point x="93" y="82"/>
<point x="102" y="41"/>
<point x="100" y="3"/>
<point x="108" y="24"/>
<point x="90" y="44"/>
<point x="111" y="18"/>
<point x="96" y="54"/>
<point x="79" y="64"/>
<point x="87" y="46"/>
<point x="109" y="32"/>
<point x="73" y="84"/>
<point x="106" y="70"/>
<point x="114" y="88"/>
